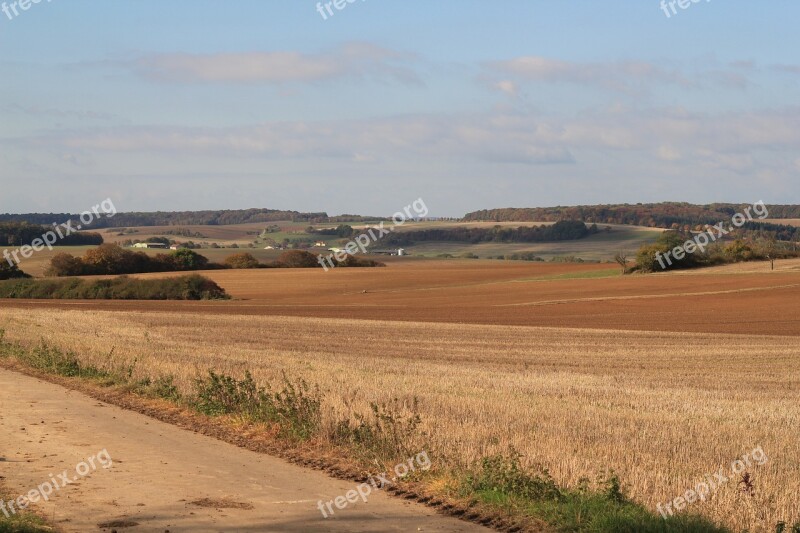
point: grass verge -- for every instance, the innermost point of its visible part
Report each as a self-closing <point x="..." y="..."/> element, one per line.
<point x="24" y="522"/>
<point x="497" y="491"/>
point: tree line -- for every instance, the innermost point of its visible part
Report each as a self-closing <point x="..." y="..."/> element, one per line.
<point x="188" y="218"/>
<point x="564" y="230"/>
<point x="651" y="257"/>
<point x="111" y="259"/>
<point x="23" y="233"/>
<point x="669" y="215"/>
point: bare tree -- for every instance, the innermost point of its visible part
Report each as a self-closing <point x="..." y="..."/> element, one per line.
<point x="622" y="259"/>
<point x="769" y="249"/>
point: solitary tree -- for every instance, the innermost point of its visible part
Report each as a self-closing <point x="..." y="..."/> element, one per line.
<point x="187" y="260"/>
<point x="769" y="248"/>
<point x="622" y="259"/>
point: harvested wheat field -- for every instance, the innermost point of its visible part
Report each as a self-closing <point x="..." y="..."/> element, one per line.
<point x="662" y="410"/>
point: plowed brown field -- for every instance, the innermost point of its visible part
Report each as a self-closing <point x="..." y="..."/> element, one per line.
<point x="735" y="299"/>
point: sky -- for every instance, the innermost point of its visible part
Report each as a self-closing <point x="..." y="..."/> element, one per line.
<point x="285" y="104"/>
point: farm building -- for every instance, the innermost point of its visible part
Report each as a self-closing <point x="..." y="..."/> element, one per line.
<point x="150" y="245"/>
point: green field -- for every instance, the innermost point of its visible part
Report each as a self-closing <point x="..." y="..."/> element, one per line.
<point x="599" y="247"/>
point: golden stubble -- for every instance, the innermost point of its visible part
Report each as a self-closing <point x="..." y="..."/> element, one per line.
<point x="661" y="410"/>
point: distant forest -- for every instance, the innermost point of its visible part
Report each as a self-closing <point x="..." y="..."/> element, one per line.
<point x="187" y="218"/>
<point x="567" y="230"/>
<point x="668" y="215"/>
<point x="21" y="234"/>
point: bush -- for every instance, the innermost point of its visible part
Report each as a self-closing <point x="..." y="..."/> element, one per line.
<point x="185" y="259"/>
<point x="192" y="287"/>
<point x="297" y="259"/>
<point x="357" y="262"/>
<point x="241" y="261"/>
<point x="390" y="431"/>
<point x="647" y="256"/>
<point x="499" y="473"/>
<point x="9" y="271"/>
<point x="62" y="265"/>
<point x="111" y="259"/>
<point x="738" y="251"/>
<point x="295" y="409"/>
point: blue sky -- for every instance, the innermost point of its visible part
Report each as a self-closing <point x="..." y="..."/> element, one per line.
<point x="186" y="105"/>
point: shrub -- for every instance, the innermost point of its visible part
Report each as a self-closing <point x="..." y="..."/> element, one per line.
<point x="185" y="259"/>
<point x="62" y="265"/>
<point x="241" y="261"/>
<point x="390" y="432"/>
<point x="9" y="271"/>
<point x="647" y="256"/>
<point x="193" y="287"/>
<point x="164" y="387"/>
<point x="297" y="259"/>
<point x="111" y="259"/>
<point x="295" y="408"/>
<point x="738" y="251"/>
<point x="358" y="262"/>
<point x="505" y="474"/>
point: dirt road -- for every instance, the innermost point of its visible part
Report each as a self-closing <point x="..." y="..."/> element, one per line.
<point x="163" y="478"/>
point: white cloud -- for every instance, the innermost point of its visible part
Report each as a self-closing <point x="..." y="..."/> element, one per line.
<point x="731" y="141"/>
<point x="506" y="86"/>
<point x="621" y="75"/>
<point x="351" y="60"/>
<point x="668" y="153"/>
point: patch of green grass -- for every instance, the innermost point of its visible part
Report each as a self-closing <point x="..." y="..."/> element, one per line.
<point x="501" y="481"/>
<point x="24" y="522"/>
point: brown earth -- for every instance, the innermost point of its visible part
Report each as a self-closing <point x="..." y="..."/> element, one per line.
<point x="735" y="299"/>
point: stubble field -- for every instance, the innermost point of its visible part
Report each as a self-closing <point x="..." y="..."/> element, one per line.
<point x="648" y="376"/>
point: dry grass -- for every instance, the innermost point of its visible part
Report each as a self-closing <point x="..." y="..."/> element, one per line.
<point x="661" y="409"/>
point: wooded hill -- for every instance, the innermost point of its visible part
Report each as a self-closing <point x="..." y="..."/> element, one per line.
<point x="187" y="218"/>
<point x="675" y="215"/>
